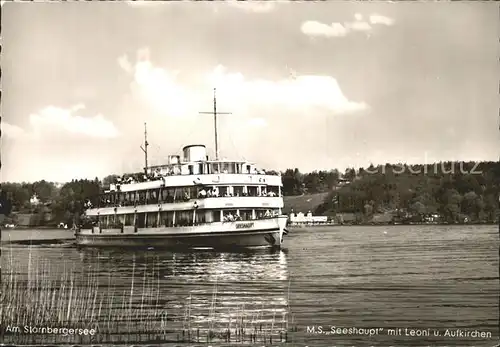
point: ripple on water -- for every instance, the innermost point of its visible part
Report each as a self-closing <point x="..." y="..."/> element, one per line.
<point x="417" y="276"/>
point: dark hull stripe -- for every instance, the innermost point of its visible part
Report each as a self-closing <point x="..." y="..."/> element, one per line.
<point x="140" y="235"/>
<point x="269" y="238"/>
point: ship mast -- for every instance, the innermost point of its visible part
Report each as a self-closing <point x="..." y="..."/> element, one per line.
<point x="145" y="149"/>
<point x="215" y="113"/>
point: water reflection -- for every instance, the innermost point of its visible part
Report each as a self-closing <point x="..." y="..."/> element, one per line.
<point x="215" y="286"/>
<point x="192" y="291"/>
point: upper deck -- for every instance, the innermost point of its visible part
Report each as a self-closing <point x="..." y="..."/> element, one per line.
<point x="196" y="169"/>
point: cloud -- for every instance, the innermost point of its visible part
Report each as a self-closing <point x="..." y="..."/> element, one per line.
<point x="318" y="29"/>
<point x="155" y="86"/>
<point x="56" y="118"/>
<point x="253" y="6"/>
<point x="358" y="26"/>
<point x="313" y="28"/>
<point x="125" y="64"/>
<point x="160" y="89"/>
<point x="378" y="19"/>
<point x="301" y="91"/>
<point x="12" y="131"/>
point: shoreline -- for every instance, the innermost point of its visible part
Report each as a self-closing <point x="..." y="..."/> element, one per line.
<point x="384" y="224"/>
<point x="49" y="228"/>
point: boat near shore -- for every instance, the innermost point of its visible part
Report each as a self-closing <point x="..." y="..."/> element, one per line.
<point x="189" y="202"/>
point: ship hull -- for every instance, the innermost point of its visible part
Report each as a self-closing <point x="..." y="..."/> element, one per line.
<point x="218" y="235"/>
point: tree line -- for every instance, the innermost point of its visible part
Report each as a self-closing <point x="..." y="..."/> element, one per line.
<point x="454" y="190"/>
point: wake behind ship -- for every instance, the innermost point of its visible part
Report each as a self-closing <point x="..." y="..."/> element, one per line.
<point x="189" y="202"/>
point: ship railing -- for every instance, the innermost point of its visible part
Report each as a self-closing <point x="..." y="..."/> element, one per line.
<point x="181" y="223"/>
<point x="140" y="178"/>
<point x="171" y="200"/>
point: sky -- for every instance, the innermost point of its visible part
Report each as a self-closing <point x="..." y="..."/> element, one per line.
<point x="312" y="85"/>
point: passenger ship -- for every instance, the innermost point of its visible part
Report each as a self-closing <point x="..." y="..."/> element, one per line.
<point x="189" y="202"/>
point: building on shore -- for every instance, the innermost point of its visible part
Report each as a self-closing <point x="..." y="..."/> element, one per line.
<point x="306" y="219"/>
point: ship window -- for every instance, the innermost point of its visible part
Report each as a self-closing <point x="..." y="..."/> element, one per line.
<point x="238" y="190"/>
<point x="248" y="169"/>
<point x="272" y="191"/>
<point x="167" y="195"/>
<point x="140" y="220"/>
<point x="178" y="194"/>
<point x="231" y="211"/>
<point x="151" y="220"/>
<point x="184" y="218"/>
<point x="102" y="221"/>
<point x="200" y="217"/>
<point x="190" y="167"/>
<point x="223" y="191"/>
<point x="225" y="168"/>
<point x="216" y="215"/>
<point x="215" y="168"/>
<point x="231" y="168"/>
<point x="167" y="218"/>
<point x="238" y="168"/>
<point x="200" y="169"/>
<point x="260" y="213"/>
<point x="121" y="219"/>
<point x="192" y="192"/>
<point x="129" y="219"/>
<point x="252" y="191"/>
<point x="246" y="214"/>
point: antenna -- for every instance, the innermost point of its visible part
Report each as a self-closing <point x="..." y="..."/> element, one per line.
<point x="145" y="149"/>
<point x="215" y="113"/>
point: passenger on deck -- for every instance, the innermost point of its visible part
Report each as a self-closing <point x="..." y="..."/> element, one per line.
<point x="267" y="214"/>
<point x="230" y="217"/>
<point x="272" y="194"/>
<point x="202" y="193"/>
<point x="215" y="192"/>
<point x="186" y="196"/>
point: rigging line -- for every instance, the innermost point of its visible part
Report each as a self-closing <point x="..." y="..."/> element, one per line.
<point x="193" y="129"/>
<point x="233" y="144"/>
<point x="156" y="155"/>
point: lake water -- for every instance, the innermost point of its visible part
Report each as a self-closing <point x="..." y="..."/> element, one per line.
<point x="366" y="279"/>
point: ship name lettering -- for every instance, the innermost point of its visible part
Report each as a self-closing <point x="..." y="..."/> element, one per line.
<point x="244" y="225"/>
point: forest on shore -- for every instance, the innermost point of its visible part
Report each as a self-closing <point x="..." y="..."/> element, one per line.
<point x="456" y="191"/>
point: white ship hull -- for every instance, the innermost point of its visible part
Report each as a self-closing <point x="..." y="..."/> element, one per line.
<point x="241" y="234"/>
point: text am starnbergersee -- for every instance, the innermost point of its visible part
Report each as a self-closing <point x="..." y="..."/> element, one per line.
<point x="28" y="329"/>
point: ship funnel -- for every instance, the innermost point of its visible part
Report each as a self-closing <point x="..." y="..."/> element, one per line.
<point x="195" y="153"/>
